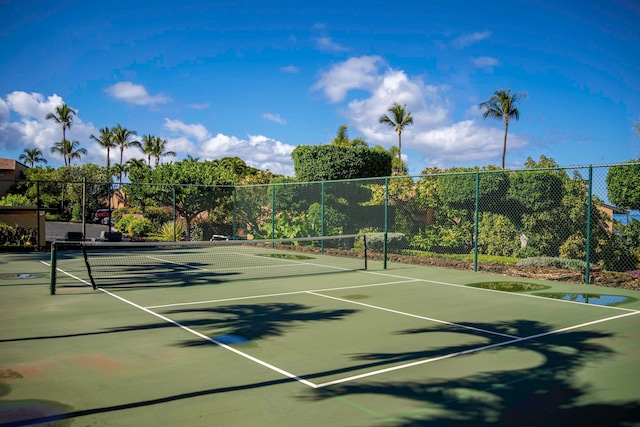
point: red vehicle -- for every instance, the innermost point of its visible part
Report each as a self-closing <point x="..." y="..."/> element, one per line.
<point x="102" y="215"/>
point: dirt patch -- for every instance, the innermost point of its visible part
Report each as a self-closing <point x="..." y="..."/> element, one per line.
<point x="98" y="362"/>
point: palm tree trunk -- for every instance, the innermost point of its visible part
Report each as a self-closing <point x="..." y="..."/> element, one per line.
<point x="400" y="147"/>
<point x="504" y="148"/>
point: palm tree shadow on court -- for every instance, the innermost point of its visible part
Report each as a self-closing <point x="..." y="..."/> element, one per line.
<point x="254" y="321"/>
<point x="547" y="394"/>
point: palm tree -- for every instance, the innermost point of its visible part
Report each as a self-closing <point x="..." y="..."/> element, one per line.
<point x="69" y="150"/>
<point x="63" y="115"/>
<point x="398" y="120"/>
<point x="502" y="106"/>
<point x="159" y="149"/>
<point x="105" y="139"/>
<point x="147" y="146"/>
<point x="342" y="138"/>
<point x="32" y="156"/>
<point x="121" y="139"/>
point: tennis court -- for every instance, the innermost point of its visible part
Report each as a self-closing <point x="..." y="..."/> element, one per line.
<point x="181" y="337"/>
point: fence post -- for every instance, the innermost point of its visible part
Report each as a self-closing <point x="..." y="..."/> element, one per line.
<point x="386" y="223"/>
<point x="273" y="211"/>
<point x="475" y="231"/>
<point x="175" y="216"/>
<point x="588" y="252"/>
<point x="84" y="207"/>
<point x="235" y="211"/>
<point x="324" y="228"/>
<point x="38" y="215"/>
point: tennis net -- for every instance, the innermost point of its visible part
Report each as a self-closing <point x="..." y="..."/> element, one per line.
<point x="148" y="264"/>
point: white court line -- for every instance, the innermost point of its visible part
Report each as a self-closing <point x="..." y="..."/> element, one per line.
<point x="279" y="294"/>
<point x="369" y="374"/>
<point x="472" y="350"/>
<point x="457" y="325"/>
<point x="198" y="334"/>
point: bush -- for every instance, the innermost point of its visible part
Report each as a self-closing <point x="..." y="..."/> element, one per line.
<point x="17" y="236"/>
<point x="139" y="227"/>
<point x="158" y="216"/>
<point x="123" y="223"/>
<point x="172" y="232"/>
<point x="396" y="242"/>
<point x="119" y="213"/>
<point x="545" y="261"/>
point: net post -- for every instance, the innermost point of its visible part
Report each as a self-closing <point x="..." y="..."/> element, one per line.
<point x="364" y="243"/>
<point x="52" y="275"/>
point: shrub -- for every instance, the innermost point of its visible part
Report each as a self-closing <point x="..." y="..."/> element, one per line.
<point x="16" y="235"/>
<point x="172" y="231"/>
<point x="119" y="213"/>
<point x="396" y="242"/>
<point x="139" y="227"/>
<point x="158" y="216"/>
<point x="545" y="261"/>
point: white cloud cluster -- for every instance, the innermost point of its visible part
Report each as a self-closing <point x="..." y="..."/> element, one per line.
<point x="33" y="130"/>
<point x="354" y="73"/>
<point x="135" y="94"/>
<point x="256" y="150"/>
<point x="434" y="136"/>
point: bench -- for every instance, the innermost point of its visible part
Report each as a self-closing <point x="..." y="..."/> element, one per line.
<point x="73" y="236"/>
<point x="111" y="236"/>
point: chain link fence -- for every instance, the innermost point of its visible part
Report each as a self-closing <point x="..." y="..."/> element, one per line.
<point x="558" y="217"/>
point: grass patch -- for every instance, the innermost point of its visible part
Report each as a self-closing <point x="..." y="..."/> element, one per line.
<point x="509" y="286"/>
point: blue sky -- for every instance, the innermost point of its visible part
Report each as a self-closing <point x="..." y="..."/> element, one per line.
<point x="254" y="79"/>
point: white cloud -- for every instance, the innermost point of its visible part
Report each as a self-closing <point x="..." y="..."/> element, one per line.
<point x="196" y="131"/>
<point x="469" y="39"/>
<point x="33" y="130"/>
<point x="290" y="69"/>
<point x="464" y="142"/>
<point x="202" y="106"/>
<point x="434" y="135"/>
<point x="354" y="73"/>
<point x="257" y="150"/>
<point x="135" y="94"/>
<point x="326" y="43"/>
<point x="484" y="62"/>
<point x="274" y="118"/>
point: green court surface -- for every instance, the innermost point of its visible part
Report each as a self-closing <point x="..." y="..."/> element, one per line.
<point x="402" y="346"/>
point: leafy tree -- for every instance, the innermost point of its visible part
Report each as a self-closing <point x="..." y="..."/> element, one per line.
<point x="197" y="187"/>
<point x="342" y="139"/>
<point x="502" y="106"/>
<point x="331" y="162"/>
<point x="31" y="156"/>
<point x="62" y="115"/>
<point x="623" y="185"/>
<point x="15" y="200"/>
<point x="105" y="139"/>
<point x="40" y="185"/>
<point x="398" y="119"/>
